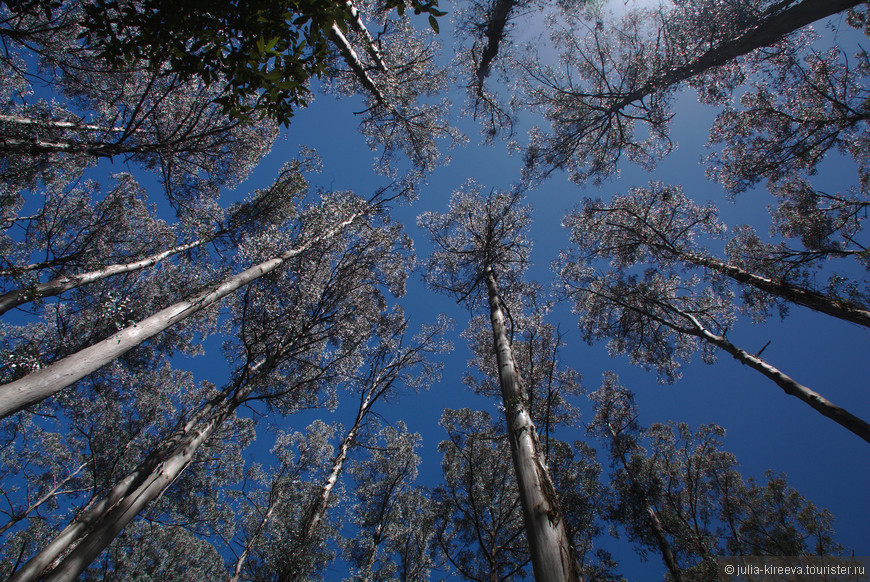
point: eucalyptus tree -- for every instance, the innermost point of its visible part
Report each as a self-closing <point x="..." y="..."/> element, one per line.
<point x="259" y="57"/>
<point x="310" y="226"/>
<point x="537" y="348"/>
<point x="58" y="329"/>
<point x="142" y="111"/>
<point x="479" y="522"/>
<point x="398" y="116"/>
<point x="388" y="365"/>
<point x="74" y="232"/>
<point x="676" y="492"/>
<point x="151" y="551"/>
<point x="143" y="116"/>
<point x="393" y="520"/>
<point x="298" y="330"/>
<point x="627" y="72"/>
<point x="75" y="240"/>
<point x="615" y="422"/>
<point x="783" y="128"/>
<point x="482" y="29"/>
<point x="481" y="251"/>
<point x="69" y="453"/>
<point x="660" y="319"/>
<point x="660" y="225"/>
<point x="275" y="501"/>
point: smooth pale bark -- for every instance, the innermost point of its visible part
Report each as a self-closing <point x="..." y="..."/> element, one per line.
<point x="655" y="523"/>
<point x="60" y="285"/>
<point x="316" y="511"/>
<point x="35" y="387"/>
<point x="57" y="124"/>
<point x="768" y="31"/>
<point x="549" y="544"/>
<point x="353" y="61"/>
<point x="814" y="300"/>
<point x="790" y="386"/>
<point x="98" y="510"/>
<point x="38" y="145"/>
<point x="172" y="464"/>
<point x="359" y="26"/>
<point x="243" y="557"/>
<point x="42" y="146"/>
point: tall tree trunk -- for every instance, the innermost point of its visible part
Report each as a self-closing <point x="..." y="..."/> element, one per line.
<point x="267" y="517"/>
<point x="353" y="61"/>
<point x="58" y="124"/>
<point x="167" y="471"/>
<point x="60" y="285"/>
<point x="37" y="386"/>
<point x="790" y="386"/>
<point x="766" y="32"/>
<point x="93" y="515"/>
<point x="317" y="509"/>
<point x="816" y="301"/>
<point x="655" y="523"/>
<point x="549" y="544"/>
<point x="359" y="26"/>
<point x="495" y="31"/>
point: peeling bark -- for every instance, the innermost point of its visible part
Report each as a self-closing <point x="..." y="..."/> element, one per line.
<point x="549" y="544"/>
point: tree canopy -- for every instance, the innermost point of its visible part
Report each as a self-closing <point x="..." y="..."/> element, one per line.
<point x="247" y="334"/>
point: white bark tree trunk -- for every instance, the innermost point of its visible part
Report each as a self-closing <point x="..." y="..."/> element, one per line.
<point x="549" y="544"/>
<point x="97" y="511"/>
<point x="37" y="386"/>
<point x="352" y="59"/>
<point x="792" y="387"/>
<point x="240" y="563"/>
<point x="167" y="471"/>
<point x="58" y="124"/>
<point x="359" y="26"/>
<point x="814" y="300"/>
<point x="317" y="509"/>
<point x="60" y="285"/>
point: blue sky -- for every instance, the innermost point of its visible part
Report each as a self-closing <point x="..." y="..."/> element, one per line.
<point x="765" y="428"/>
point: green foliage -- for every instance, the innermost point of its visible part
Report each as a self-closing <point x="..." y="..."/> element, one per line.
<point x="264" y="53"/>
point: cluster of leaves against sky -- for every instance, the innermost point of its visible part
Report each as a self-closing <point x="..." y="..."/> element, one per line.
<point x="116" y="464"/>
